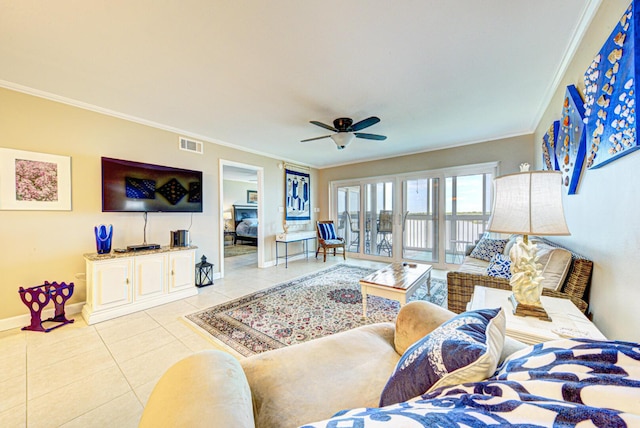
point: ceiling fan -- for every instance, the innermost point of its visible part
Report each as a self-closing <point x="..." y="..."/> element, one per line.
<point x="345" y="130"/>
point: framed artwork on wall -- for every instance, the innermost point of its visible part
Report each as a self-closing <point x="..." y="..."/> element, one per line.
<point x="610" y="95"/>
<point x="252" y="196"/>
<point x="297" y="195"/>
<point x="549" y="160"/>
<point x="571" y="141"/>
<point x="34" y="181"/>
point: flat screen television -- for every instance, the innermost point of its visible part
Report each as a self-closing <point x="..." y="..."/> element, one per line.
<point x="142" y="187"/>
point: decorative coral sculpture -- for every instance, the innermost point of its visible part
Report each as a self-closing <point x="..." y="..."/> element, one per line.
<point x="525" y="273"/>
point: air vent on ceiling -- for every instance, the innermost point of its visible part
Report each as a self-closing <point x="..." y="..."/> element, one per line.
<point x="191" y="145"/>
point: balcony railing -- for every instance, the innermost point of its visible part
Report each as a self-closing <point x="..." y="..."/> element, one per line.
<point x="420" y="235"/>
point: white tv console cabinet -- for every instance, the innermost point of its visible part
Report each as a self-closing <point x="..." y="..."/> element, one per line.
<point x="122" y="283"/>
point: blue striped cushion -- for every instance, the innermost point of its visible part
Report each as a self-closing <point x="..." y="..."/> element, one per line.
<point x="327" y="231"/>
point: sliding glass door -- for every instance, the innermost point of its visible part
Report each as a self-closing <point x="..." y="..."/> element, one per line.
<point x="420" y="227"/>
<point x="468" y="208"/>
<point x="348" y="215"/>
<point x="369" y="231"/>
<point x="380" y="223"/>
<point x="378" y="218"/>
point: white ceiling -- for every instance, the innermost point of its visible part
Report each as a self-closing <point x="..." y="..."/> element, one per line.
<point x="252" y="74"/>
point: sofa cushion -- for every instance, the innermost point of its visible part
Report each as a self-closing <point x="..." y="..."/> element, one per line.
<point x="474" y="266"/>
<point x="464" y="349"/>
<point x="554" y="262"/>
<point x="415" y="320"/>
<point x="487" y="247"/>
<point x="342" y="370"/>
<point x="189" y="394"/>
<point x="555" y="265"/>
<point x="499" y="266"/>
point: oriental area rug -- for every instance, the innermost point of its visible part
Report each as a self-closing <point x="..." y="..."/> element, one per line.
<point x="313" y="306"/>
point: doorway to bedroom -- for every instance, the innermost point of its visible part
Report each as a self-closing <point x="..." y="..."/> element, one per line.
<point x="240" y="211"/>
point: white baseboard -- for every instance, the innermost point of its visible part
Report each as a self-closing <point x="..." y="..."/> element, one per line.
<point x="24" y="320"/>
<point x="298" y="256"/>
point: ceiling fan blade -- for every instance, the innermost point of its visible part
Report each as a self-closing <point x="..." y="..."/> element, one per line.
<point x="370" y="136"/>
<point x="322" y="125"/>
<point x="365" y="123"/>
<point x="315" y="138"/>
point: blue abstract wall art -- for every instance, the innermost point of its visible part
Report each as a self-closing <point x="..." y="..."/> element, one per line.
<point x="610" y="95"/>
<point x="298" y="195"/>
<point x="571" y="142"/>
<point x="549" y="160"/>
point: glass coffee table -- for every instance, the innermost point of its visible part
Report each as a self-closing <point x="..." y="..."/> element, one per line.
<point x="398" y="282"/>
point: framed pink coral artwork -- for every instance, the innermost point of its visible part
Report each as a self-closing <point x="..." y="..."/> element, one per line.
<point x="34" y="181"/>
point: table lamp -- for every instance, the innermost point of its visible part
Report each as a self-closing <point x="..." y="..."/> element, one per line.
<point x="226" y="216"/>
<point x="528" y="203"/>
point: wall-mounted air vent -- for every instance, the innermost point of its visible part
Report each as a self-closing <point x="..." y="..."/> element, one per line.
<point x="191" y="145"/>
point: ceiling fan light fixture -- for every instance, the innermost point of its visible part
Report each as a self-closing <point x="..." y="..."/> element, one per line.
<point x="342" y="139"/>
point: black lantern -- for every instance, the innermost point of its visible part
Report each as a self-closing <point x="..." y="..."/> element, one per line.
<point x="204" y="273"/>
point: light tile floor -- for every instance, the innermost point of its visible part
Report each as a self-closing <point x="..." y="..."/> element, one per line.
<point x="102" y="375"/>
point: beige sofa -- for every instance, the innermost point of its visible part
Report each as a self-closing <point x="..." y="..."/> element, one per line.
<point x="566" y="274"/>
<point x="291" y="386"/>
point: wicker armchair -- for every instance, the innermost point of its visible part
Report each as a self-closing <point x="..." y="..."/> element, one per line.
<point x="460" y="284"/>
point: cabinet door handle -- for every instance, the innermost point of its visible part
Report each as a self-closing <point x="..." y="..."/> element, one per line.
<point x="127" y="281"/>
<point x="172" y="272"/>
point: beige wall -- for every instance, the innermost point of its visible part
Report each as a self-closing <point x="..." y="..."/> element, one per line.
<point x="602" y="215"/>
<point x="48" y="245"/>
<point x="511" y="152"/>
<point x="235" y="193"/>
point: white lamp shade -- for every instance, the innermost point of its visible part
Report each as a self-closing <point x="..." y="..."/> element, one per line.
<point x="529" y="203"/>
<point x="226" y="215"/>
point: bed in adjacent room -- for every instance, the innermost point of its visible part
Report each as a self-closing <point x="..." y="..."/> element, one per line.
<point x="246" y="223"/>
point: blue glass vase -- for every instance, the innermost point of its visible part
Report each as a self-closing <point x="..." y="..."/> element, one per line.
<point x="103" y="238"/>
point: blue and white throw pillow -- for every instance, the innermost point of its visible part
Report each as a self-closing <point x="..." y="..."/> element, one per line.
<point x="327" y="231"/>
<point x="464" y="349"/>
<point x="487" y="247"/>
<point x="499" y="266"/>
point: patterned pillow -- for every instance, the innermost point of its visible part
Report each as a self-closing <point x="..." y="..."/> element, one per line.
<point x="487" y="247"/>
<point x="327" y="231"/>
<point x="464" y="349"/>
<point x="499" y="266"/>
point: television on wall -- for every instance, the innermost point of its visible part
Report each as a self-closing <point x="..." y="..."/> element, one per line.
<point x="129" y="186"/>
